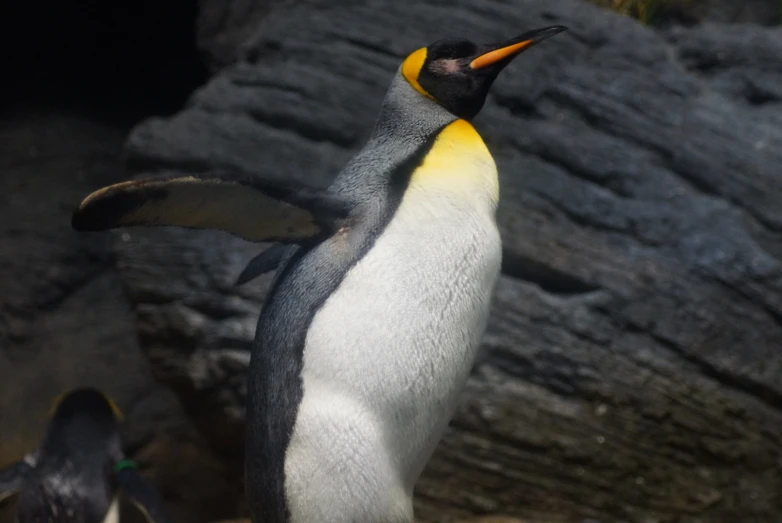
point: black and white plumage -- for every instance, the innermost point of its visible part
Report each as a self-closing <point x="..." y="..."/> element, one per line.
<point x="380" y="298"/>
<point x="77" y="473"/>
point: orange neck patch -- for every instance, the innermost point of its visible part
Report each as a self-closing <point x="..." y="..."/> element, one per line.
<point x="411" y="68"/>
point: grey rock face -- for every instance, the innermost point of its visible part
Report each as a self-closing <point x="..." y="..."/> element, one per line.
<point x="227" y="30"/>
<point x="633" y="364"/>
<point x="64" y="321"/>
<point x="765" y="12"/>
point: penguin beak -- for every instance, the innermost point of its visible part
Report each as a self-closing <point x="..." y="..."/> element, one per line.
<point x="502" y="53"/>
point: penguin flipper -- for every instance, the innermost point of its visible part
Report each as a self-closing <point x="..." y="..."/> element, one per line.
<point x="11" y="478"/>
<point x="143" y="495"/>
<point x="266" y="261"/>
<point x="246" y="206"/>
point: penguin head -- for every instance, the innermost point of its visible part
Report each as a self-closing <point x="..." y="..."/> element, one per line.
<point x="82" y="418"/>
<point x="458" y="73"/>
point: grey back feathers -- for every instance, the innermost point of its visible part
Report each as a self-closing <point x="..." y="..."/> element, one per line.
<point x="406" y="122"/>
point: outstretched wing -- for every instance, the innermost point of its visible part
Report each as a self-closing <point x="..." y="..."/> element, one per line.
<point x="12" y="477"/>
<point x="143" y="495"/>
<point x="247" y="206"/>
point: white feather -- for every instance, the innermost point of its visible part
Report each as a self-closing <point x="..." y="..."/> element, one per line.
<point x="112" y="516"/>
<point x="390" y="351"/>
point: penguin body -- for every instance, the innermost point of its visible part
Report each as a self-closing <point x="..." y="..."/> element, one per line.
<point x="66" y="498"/>
<point x="77" y="473"/>
<point x="389" y="351"/>
<point x="373" y="320"/>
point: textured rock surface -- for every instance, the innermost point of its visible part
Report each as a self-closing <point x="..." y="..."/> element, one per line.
<point x="74" y="81"/>
<point x="53" y="336"/>
<point x="766" y="12"/>
<point x="633" y="370"/>
<point x="688" y="12"/>
<point x="65" y="321"/>
<point x="226" y="30"/>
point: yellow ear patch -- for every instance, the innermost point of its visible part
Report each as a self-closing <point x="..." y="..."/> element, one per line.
<point x="114" y="408"/>
<point x="411" y="68"/>
<point x="117" y="413"/>
<point x="56" y="403"/>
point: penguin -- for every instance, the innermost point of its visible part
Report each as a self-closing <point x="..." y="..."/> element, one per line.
<point x="373" y="320"/>
<point x="78" y="471"/>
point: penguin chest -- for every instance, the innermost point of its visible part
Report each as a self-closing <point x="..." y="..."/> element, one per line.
<point x="391" y="349"/>
<point x="112" y="515"/>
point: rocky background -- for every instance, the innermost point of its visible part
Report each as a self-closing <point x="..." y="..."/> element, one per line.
<point x="633" y="370"/>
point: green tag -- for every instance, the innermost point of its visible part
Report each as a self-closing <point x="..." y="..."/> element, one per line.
<point x="125" y="464"/>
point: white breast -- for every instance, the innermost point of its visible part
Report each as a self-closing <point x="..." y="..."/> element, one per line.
<point x="389" y="352"/>
<point x="112" y="516"/>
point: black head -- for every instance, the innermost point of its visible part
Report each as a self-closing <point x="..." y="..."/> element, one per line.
<point x="83" y="416"/>
<point x="457" y="73"/>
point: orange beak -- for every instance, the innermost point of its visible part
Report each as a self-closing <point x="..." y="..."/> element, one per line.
<point x="500" y="52"/>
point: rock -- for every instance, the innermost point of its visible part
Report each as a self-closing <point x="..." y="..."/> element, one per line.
<point x="688" y="12"/>
<point x="195" y="483"/>
<point x="64" y="318"/>
<point x="766" y="12"/>
<point x="226" y="30"/>
<point x="632" y="365"/>
<point x="493" y="519"/>
<point x="64" y="321"/>
<point x="72" y="87"/>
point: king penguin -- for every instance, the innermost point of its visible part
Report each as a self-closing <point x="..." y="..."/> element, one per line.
<point x="79" y="470"/>
<point x="381" y="296"/>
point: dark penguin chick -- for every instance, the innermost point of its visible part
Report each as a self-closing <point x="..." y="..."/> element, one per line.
<point x="375" y="315"/>
<point x="78" y="471"/>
